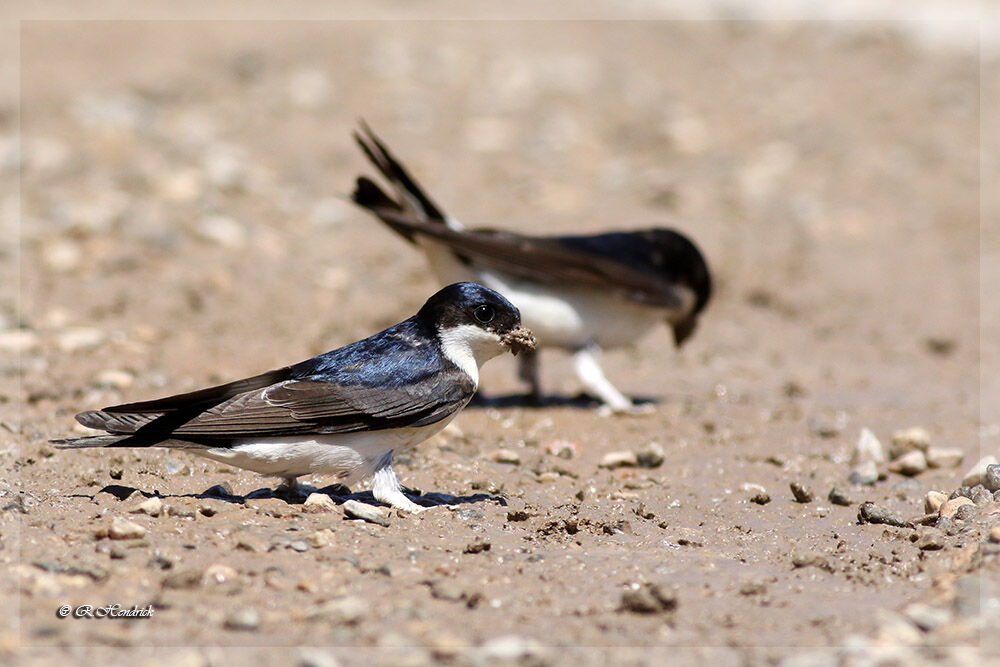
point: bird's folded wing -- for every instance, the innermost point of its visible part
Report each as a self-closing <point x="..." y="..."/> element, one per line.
<point x="295" y="407"/>
<point x="542" y="260"/>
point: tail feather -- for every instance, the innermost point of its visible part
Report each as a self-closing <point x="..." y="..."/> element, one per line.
<point x="122" y="423"/>
<point x="92" y="441"/>
<point x="368" y="195"/>
<point x="412" y="197"/>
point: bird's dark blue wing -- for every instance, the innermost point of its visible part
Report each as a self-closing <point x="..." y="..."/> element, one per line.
<point x="396" y="378"/>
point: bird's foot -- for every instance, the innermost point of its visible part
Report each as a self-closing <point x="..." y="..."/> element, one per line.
<point x="399" y="501"/>
<point x="290" y="488"/>
<point x="630" y="409"/>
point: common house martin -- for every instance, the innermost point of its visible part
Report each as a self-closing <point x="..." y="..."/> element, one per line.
<point x="343" y="413"/>
<point x="580" y="293"/>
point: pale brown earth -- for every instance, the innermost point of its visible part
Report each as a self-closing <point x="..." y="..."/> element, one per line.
<point x="182" y="223"/>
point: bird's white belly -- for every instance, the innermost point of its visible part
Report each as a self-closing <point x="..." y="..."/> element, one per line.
<point x="348" y="456"/>
<point x="558" y="316"/>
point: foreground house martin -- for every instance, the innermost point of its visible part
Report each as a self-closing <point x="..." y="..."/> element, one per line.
<point x="343" y="413"/>
<point x="580" y="293"/>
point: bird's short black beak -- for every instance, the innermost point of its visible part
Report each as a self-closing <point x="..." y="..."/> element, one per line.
<point x="684" y="329"/>
<point x="518" y="339"/>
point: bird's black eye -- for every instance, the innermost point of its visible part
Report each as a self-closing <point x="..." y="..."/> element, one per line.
<point x="484" y="313"/>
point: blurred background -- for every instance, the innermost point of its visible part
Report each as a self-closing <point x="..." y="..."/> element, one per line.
<point x="185" y="179"/>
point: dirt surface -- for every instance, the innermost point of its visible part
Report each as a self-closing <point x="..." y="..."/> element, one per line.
<point x="182" y="223"/>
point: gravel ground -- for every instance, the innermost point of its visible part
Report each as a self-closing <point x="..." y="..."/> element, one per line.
<point x="182" y="222"/>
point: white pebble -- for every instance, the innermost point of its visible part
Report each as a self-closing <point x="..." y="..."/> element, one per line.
<point x="909" y="464"/>
<point x="506" y="456"/>
<point x="944" y="457"/>
<point x="62" y="255"/>
<point x="18" y="340"/>
<point x="151" y="506"/>
<point x="868" y="448"/>
<point x="621" y="459"/>
<point x="223" y="231"/>
<point x="77" y="339"/>
<point x="116" y="379"/>
<point x="319" y="502"/>
<point x="977" y="473"/>
<point x="219" y="574"/>
<point x="933" y="501"/>
<point x="907" y="440"/>
<point x="122" y="529"/>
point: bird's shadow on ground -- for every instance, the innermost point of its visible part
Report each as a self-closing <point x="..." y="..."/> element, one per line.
<point x="338" y="493"/>
<point x="581" y="401"/>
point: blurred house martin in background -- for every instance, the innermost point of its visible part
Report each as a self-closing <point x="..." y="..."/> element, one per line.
<point x="343" y="413"/>
<point x="580" y="293"/>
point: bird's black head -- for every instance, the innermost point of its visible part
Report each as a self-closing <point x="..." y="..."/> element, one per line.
<point x="679" y="259"/>
<point x="476" y="316"/>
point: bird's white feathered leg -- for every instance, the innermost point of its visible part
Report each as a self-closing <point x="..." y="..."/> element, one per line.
<point x="387" y="489"/>
<point x="586" y="362"/>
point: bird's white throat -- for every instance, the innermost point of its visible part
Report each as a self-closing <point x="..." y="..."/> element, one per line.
<point x="469" y="347"/>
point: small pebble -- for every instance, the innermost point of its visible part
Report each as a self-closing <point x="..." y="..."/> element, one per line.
<point x="508" y="456"/>
<point x="977" y="473"/>
<point x="151" y="506"/>
<point x="966" y="512"/>
<point x="251" y="544"/>
<point x="995" y="534"/>
<point x="564" y="449"/>
<point x="243" y="619"/>
<point x="908" y="440"/>
<point x="622" y="459"/>
<point x="964" y="491"/>
<point x="648" y="598"/>
<point x="650" y="456"/>
<point x="981" y="496"/>
<point x="991" y="480"/>
<point x="298" y="545"/>
<point x="933" y="501"/>
<point x="868" y="449"/>
<point x="950" y="507"/>
<point x="930" y="540"/>
<point x="911" y="463"/>
<point x="478" y="545"/>
<point x="357" y="510"/>
<point x="122" y="529"/>
<point x="115" y="379"/>
<point x="183" y="579"/>
<point x="319" y="539"/>
<point x="18" y="340"/>
<point x="342" y="611"/>
<point x="926" y="617"/>
<point x="944" y="457"/>
<point x="78" y="339"/>
<point x="865" y="474"/>
<point x="219" y="574"/>
<point x="869" y="512"/>
<point x="838" y="496"/>
<point x="800" y="493"/>
<point x="222" y="231"/>
<point x="761" y="498"/>
<point x="62" y="255"/>
<point x="318" y="502"/>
